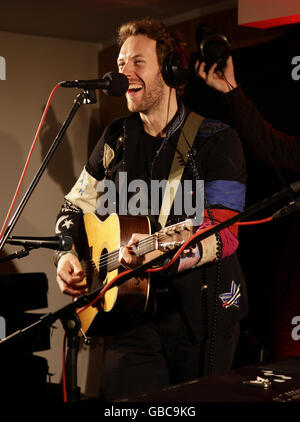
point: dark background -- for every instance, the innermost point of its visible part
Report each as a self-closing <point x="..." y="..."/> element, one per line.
<point x="269" y="253"/>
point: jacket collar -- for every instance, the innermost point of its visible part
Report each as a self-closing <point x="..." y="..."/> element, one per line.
<point x="133" y="128"/>
<point x="177" y="120"/>
<point x="133" y="122"/>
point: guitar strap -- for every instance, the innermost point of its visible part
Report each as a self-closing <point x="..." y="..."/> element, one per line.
<point x="185" y="143"/>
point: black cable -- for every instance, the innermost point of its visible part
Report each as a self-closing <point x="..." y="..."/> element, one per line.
<point x="191" y="161"/>
<point x="226" y="80"/>
<point x="210" y="361"/>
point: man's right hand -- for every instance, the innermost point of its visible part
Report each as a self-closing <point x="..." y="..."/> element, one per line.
<point x="70" y="275"/>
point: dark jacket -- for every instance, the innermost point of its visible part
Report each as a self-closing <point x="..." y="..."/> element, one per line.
<point x="201" y="292"/>
<point x="268" y="144"/>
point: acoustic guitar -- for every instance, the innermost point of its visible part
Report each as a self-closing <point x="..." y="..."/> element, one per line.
<point x="102" y="261"/>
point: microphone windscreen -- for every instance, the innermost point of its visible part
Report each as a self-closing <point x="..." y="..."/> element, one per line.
<point x="118" y="84"/>
<point x="66" y="243"/>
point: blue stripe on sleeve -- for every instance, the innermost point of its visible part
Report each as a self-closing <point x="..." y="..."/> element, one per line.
<point x="229" y="193"/>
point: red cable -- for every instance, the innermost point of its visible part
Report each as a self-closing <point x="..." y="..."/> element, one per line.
<point x="13" y="204"/>
<point x="149" y="270"/>
<point x="28" y="160"/>
<point x="169" y="263"/>
<point x="111" y="283"/>
<point x="249" y="223"/>
<point x="64" y="381"/>
<point x="118" y="276"/>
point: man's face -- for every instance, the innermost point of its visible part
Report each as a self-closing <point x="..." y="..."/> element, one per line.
<point x="138" y="61"/>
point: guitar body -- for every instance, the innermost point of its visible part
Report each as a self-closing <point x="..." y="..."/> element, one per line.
<point x="102" y="265"/>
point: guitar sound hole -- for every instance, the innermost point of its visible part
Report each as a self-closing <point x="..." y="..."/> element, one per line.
<point x="103" y="265"/>
<point x="99" y="274"/>
<point x="97" y="270"/>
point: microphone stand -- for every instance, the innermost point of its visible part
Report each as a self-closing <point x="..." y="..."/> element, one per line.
<point x="85" y="97"/>
<point x="18" y="254"/>
<point x="69" y="317"/>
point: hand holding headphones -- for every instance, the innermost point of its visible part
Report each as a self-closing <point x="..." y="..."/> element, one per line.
<point x="223" y="81"/>
<point x="214" y="64"/>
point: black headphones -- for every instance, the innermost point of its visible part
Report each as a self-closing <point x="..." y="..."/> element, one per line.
<point x="213" y="47"/>
<point x="175" y="68"/>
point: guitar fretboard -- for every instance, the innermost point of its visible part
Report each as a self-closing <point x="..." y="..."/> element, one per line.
<point x="144" y="246"/>
<point x="111" y="259"/>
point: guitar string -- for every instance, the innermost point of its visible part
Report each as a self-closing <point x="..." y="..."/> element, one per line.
<point x="91" y="268"/>
<point x="112" y="257"/>
<point x="143" y="245"/>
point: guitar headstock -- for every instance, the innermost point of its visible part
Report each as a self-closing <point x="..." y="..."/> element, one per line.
<point x="174" y="236"/>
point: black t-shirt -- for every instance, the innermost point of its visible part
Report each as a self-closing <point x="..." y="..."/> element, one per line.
<point x="148" y="147"/>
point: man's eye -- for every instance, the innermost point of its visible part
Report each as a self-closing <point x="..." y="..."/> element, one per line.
<point x="120" y="65"/>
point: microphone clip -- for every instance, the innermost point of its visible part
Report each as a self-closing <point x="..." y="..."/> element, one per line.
<point x="17" y="255"/>
<point x="88" y="96"/>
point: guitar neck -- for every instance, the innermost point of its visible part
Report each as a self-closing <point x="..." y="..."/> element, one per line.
<point x="164" y="240"/>
<point x="141" y="248"/>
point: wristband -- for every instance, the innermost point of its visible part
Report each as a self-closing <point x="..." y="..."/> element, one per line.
<point x="58" y="254"/>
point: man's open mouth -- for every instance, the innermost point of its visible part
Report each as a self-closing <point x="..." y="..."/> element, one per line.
<point x="134" y="88"/>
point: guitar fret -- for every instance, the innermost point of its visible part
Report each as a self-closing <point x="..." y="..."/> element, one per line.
<point x="146" y="245"/>
<point x="143" y="247"/>
<point x="113" y="260"/>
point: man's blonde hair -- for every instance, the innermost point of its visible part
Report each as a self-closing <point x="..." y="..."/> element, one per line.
<point x="166" y="41"/>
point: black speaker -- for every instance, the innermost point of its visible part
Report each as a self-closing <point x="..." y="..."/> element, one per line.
<point x="23" y="375"/>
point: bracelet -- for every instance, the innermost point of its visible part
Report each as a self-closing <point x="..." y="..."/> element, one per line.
<point x="58" y="254"/>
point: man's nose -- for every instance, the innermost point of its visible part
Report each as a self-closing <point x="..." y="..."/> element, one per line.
<point x="127" y="69"/>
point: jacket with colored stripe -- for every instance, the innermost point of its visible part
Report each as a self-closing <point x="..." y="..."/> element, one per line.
<point x="210" y="291"/>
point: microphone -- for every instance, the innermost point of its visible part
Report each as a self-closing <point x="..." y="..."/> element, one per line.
<point x="61" y="243"/>
<point x="295" y="186"/>
<point x="288" y="209"/>
<point x="113" y="83"/>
